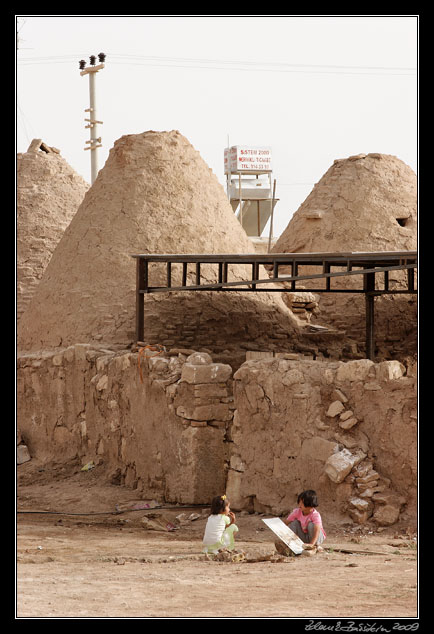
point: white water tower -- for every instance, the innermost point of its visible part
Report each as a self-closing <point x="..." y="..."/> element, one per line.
<point x="250" y="189"/>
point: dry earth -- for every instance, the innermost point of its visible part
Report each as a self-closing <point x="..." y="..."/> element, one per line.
<point x="89" y="560"/>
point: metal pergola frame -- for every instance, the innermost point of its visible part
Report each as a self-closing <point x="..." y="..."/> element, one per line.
<point x="366" y="264"/>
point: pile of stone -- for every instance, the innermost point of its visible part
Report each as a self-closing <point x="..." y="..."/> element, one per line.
<point x="302" y="303"/>
<point x="371" y="496"/>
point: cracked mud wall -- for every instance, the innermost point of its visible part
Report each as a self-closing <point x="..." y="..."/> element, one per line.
<point x="347" y="430"/>
<point x="183" y="428"/>
<point x="136" y="424"/>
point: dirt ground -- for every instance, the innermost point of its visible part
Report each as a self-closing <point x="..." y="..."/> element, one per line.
<point x="90" y="555"/>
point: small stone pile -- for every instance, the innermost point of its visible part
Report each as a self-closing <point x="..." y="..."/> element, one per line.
<point x="302" y="303"/>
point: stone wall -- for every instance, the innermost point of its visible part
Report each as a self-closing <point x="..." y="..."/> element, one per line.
<point x="348" y="430"/>
<point x="152" y="423"/>
<point x="181" y="428"/>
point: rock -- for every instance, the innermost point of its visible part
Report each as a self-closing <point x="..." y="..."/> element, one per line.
<point x="283" y="549"/>
<point x="389" y="497"/>
<point x="210" y="390"/>
<point x="229" y="556"/>
<point x="335" y="408"/>
<point x="339" y="465"/>
<point x="158" y="365"/>
<point x="367" y="493"/>
<point x="23" y="454"/>
<point x="199" y="358"/>
<point x="339" y="396"/>
<point x="360" y="516"/>
<point x="210" y="373"/>
<point x="217" y="411"/>
<point x="363" y="469"/>
<point x="358" y="370"/>
<point x="360" y="504"/>
<point x="320" y="425"/>
<point x="353" y="439"/>
<point x="346" y="415"/>
<point x="386" y="515"/>
<point x="390" y="370"/>
<point x="348" y="423"/>
<point x="308" y="553"/>
<point x="368" y="477"/>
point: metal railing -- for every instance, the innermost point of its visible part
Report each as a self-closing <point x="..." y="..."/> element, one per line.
<point x="366" y="265"/>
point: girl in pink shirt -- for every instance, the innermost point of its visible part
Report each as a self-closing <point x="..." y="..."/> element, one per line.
<point x="305" y="520"/>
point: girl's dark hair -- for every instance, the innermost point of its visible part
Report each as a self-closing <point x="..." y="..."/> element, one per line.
<point x="218" y="504"/>
<point x="309" y="498"/>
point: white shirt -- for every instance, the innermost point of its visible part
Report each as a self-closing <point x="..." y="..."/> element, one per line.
<point x="214" y="528"/>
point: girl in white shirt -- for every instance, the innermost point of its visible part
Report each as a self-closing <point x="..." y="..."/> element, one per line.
<point x="220" y="527"/>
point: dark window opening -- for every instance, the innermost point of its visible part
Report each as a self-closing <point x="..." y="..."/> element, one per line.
<point x="402" y="221"/>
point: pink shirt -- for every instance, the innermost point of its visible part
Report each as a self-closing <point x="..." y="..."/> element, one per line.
<point x="314" y="516"/>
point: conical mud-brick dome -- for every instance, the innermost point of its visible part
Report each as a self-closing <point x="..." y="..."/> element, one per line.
<point x="49" y="192"/>
<point x="155" y="194"/>
<point x="363" y="203"/>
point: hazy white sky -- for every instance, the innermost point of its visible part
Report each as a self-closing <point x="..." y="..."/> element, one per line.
<point x="313" y="88"/>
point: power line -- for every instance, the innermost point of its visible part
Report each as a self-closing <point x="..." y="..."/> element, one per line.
<point x="210" y="64"/>
<point x="254" y="63"/>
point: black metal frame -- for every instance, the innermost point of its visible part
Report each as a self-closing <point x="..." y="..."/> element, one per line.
<point x="367" y="264"/>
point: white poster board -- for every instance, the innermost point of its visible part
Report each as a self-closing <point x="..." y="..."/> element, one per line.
<point x="285" y="534"/>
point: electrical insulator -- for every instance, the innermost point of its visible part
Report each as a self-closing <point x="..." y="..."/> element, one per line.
<point x="82" y="64"/>
<point x="101" y="57"/>
<point x="92" y="60"/>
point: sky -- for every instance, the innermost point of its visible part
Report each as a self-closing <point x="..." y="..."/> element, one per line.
<point x="312" y="88"/>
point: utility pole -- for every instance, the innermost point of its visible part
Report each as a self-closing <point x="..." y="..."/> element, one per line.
<point x="94" y="141"/>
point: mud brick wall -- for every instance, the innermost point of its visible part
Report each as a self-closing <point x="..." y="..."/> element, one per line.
<point x="157" y="424"/>
<point x="181" y="428"/>
<point x="348" y="430"/>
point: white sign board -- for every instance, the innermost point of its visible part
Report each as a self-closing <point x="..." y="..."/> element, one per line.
<point x="248" y="159"/>
<point x="287" y="536"/>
